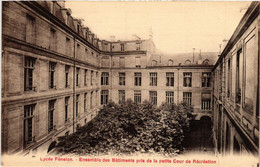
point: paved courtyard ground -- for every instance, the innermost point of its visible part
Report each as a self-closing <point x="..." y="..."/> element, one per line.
<point x="199" y="139"/>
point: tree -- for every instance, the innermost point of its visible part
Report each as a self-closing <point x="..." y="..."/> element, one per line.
<point x="130" y="128"/>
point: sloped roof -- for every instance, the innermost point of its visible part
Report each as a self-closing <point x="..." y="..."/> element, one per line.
<point x="182" y="59"/>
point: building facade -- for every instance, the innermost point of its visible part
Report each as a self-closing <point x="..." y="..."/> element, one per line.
<point x="56" y="75"/>
<point x="51" y="70"/>
<point x="50" y="75"/>
<point x="161" y="78"/>
<point x="236" y="89"/>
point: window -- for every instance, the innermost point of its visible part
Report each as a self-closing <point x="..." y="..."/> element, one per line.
<point x="96" y="98"/>
<point x="85" y="102"/>
<point x="121" y="62"/>
<point x="205" y="62"/>
<point x="28" y="124"/>
<point x="67" y="69"/>
<point x="77" y="77"/>
<point x="104" y="78"/>
<point x="206" y="79"/>
<point x="97" y="78"/>
<point x="251" y="94"/>
<point x="233" y="78"/>
<point x="91" y="100"/>
<point x="66" y="108"/>
<point x="78" y="28"/>
<point x="51" y="115"/>
<point x="28" y="73"/>
<point x="68" y="47"/>
<point x="154" y="63"/>
<point x="187" y="97"/>
<point x="170" y="62"/>
<point x="153" y="97"/>
<point x="229" y="78"/>
<point x="105" y="47"/>
<point x="137" y="96"/>
<point x="30" y="29"/>
<point x="169" y="79"/>
<point x="104" y="97"/>
<point x="121" y="96"/>
<point x="85" y="77"/>
<point x="187" y="78"/>
<point x="77" y="105"/>
<point x="239" y="75"/>
<point x="78" y="51"/>
<point x="138" y="79"/>
<point x="91" y="78"/>
<point x="51" y="73"/>
<point x="53" y="40"/>
<point x="138" y="46"/>
<point x="86" y="52"/>
<point x="137" y="62"/>
<point x="169" y="97"/>
<point x="205" y="101"/>
<point x="122" y="47"/>
<point x="121" y="78"/>
<point x="187" y="62"/>
<point x="153" y="79"/>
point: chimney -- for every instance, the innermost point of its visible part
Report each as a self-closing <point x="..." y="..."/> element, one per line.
<point x="224" y="44"/>
<point x="65" y="13"/>
<point x="112" y="38"/>
<point x="200" y="58"/>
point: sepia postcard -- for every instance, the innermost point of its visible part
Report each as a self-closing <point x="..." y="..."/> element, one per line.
<point x="130" y="83"/>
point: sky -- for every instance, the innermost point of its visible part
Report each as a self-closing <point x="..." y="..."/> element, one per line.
<point x="177" y="27"/>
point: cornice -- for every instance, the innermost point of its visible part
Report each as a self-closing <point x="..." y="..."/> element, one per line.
<point x="246" y="21"/>
<point x="19" y="44"/>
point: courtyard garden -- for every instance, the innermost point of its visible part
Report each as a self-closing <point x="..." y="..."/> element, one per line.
<point x="131" y="128"/>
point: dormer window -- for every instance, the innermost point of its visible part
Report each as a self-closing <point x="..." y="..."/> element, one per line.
<point x="122" y="47"/>
<point x="154" y="63"/>
<point x="206" y="62"/>
<point x="170" y="62"/>
<point x="138" y="46"/>
<point x="105" y="46"/>
<point x="86" y="35"/>
<point x="78" y="28"/>
<point x="187" y="62"/>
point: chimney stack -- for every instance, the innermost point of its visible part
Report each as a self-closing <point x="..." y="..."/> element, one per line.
<point x="112" y="38"/>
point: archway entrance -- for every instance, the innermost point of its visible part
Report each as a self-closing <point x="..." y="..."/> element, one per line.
<point x="199" y="138"/>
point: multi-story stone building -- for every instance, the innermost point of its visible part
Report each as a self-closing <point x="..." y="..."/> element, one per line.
<point x="160" y="78"/>
<point x="56" y="75"/>
<point x="51" y="73"/>
<point x="236" y="89"/>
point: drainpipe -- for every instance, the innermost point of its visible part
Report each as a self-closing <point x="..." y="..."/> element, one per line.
<point x="110" y="76"/>
<point x="178" y="85"/>
<point x="74" y="70"/>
